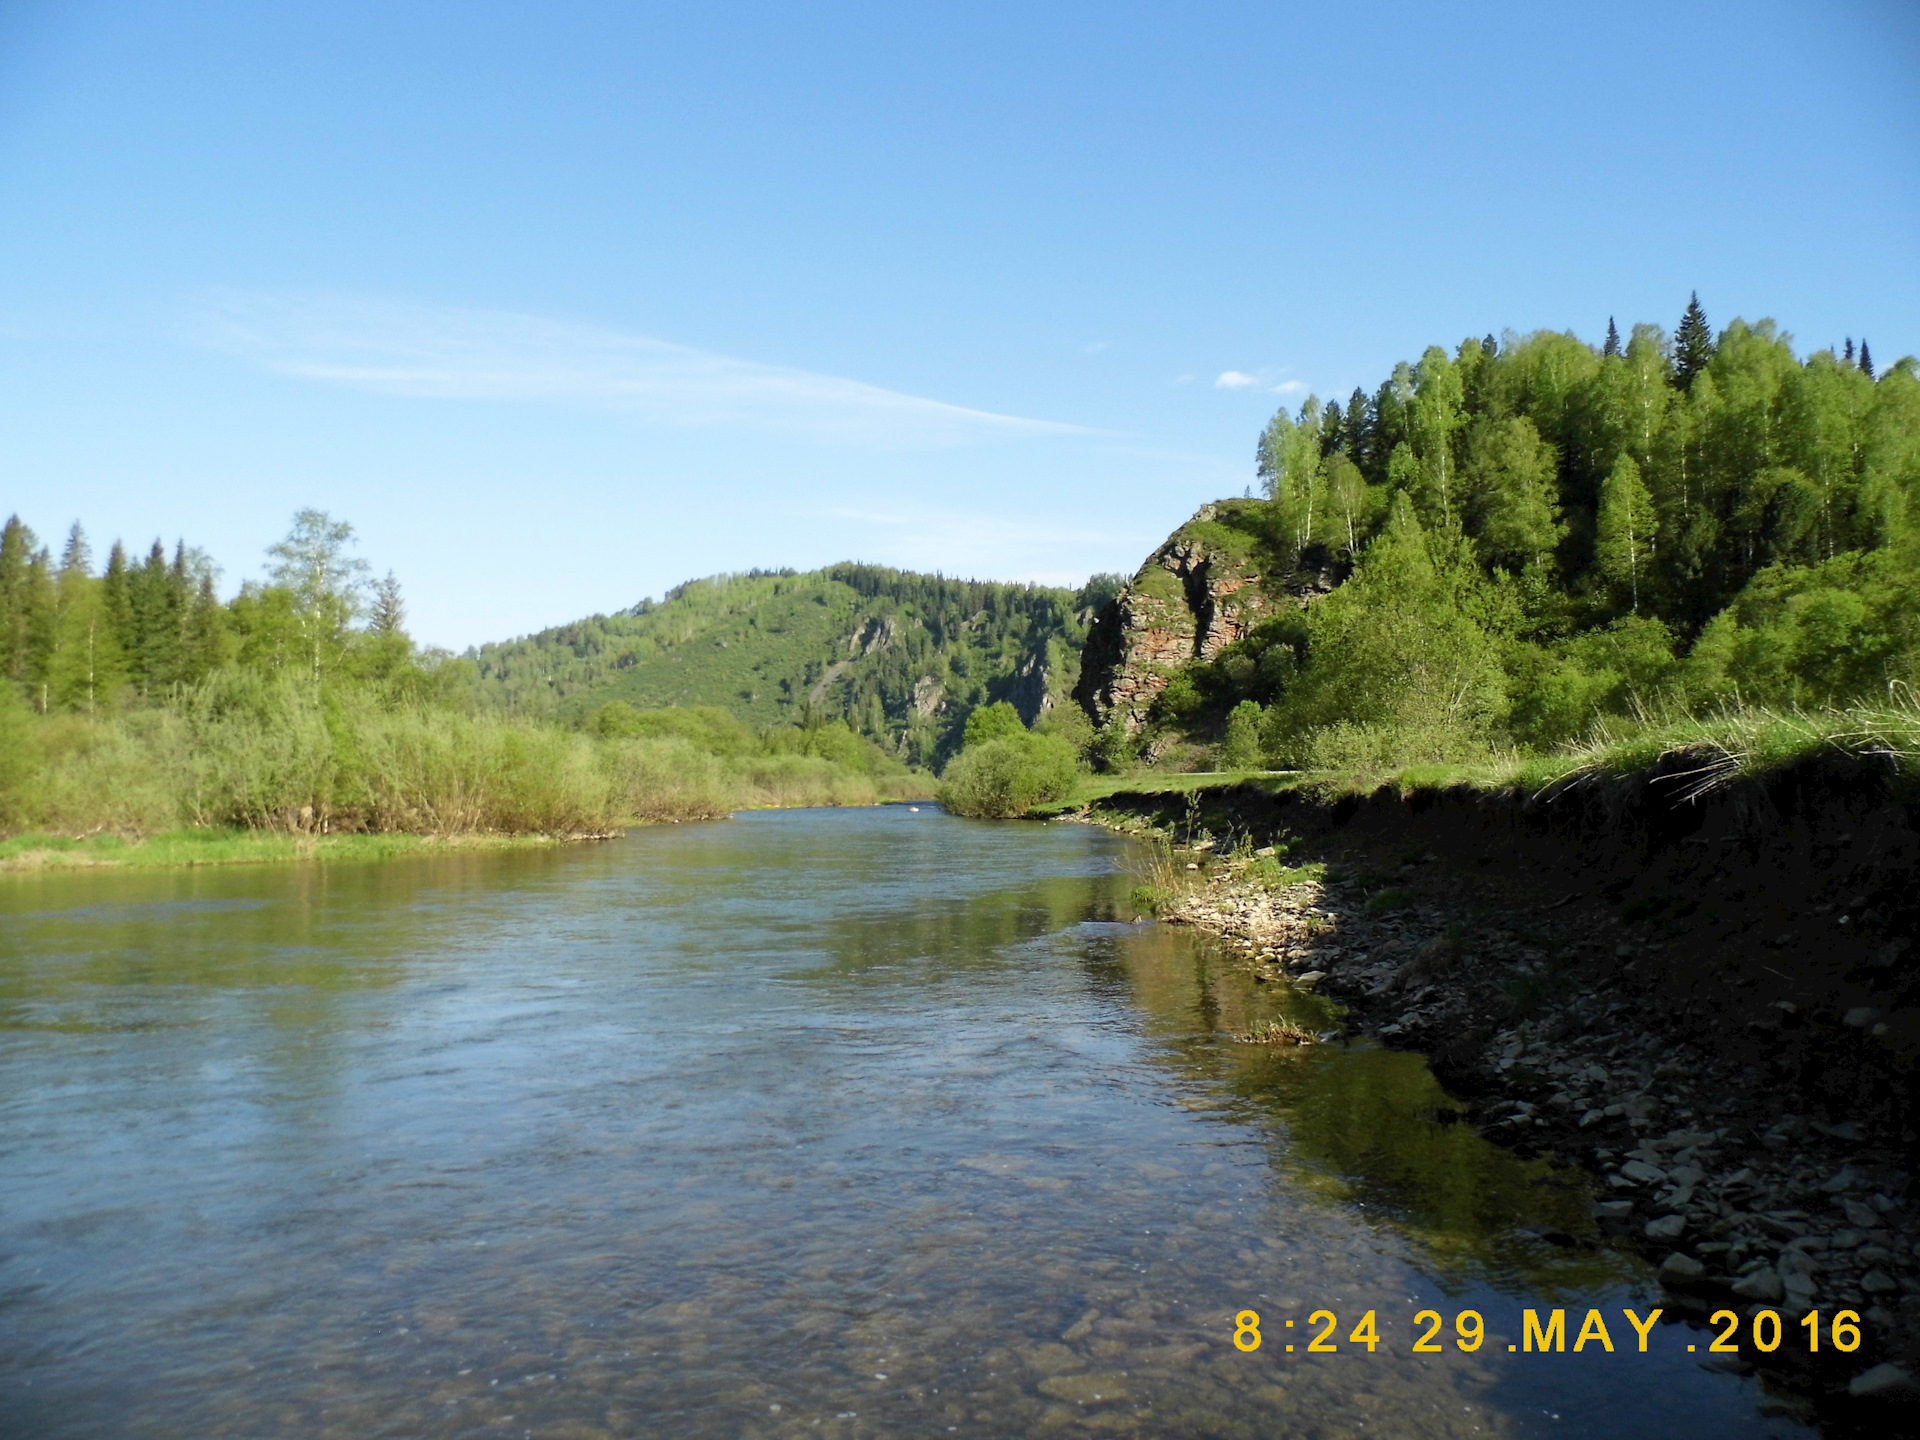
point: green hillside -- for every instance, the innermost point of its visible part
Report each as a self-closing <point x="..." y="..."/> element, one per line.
<point x="901" y="657"/>
<point x="1536" y="543"/>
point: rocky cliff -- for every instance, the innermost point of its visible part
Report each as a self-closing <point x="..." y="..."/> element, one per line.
<point x="1213" y="580"/>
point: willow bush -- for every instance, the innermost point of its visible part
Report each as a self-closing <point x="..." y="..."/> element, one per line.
<point x="266" y="753"/>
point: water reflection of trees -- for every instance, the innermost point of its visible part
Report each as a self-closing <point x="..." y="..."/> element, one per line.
<point x="946" y="934"/>
<point x="1358" y="1126"/>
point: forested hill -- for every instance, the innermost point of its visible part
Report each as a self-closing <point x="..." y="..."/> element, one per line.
<point x="902" y="657"/>
<point x="1506" y="543"/>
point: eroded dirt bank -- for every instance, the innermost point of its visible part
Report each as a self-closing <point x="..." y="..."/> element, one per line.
<point x="1713" y="1006"/>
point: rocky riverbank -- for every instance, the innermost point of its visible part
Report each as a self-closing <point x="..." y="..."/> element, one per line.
<point x="1708" y="1006"/>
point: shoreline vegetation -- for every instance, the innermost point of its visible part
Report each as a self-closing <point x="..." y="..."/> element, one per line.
<point x="148" y="722"/>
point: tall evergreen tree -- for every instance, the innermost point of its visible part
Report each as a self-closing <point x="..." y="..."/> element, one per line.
<point x="76" y="555"/>
<point x="1866" y="359"/>
<point x="1849" y="354"/>
<point x="1612" y="346"/>
<point x="389" y="611"/>
<point x="1358" y="436"/>
<point x="17" y="544"/>
<point x="1692" y="344"/>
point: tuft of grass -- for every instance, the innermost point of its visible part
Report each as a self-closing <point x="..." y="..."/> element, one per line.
<point x="1270" y="872"/>
<point x="1278" y="1032"/>
<point x="1385" y="901"/>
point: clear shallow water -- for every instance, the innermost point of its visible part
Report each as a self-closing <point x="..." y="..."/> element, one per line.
<point x="809" y="1123"/>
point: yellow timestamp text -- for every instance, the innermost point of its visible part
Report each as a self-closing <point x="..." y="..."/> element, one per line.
<point x="1548" y="1331"/>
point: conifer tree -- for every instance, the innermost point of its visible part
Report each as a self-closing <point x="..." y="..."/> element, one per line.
<point x="1866" y="359"/>
<point x="1692" y="344"/>
<point x="1613" y="338"/>
<point x="1333" y="426"/>
<point x="17" y="544"/>
<point x="1491" y="346"/>
<point x="1358" y="436"/>
<point x="76" y="554"/>
<point x="389" y="611"/>
<point x="1849" y="354"/>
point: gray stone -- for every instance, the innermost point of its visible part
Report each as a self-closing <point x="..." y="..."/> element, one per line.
<point x="1613" y="1210"/>
<point x="1643" y="1173"/>
<point x="1762" y="1284"/>
<point x="1679" y="1269"/>
<point x="1860" y="1216"/>
<point x="1877" y="1282"/>
<point x="1592" y="1117"/>
<point x="1310" y="979"/>
<point x="1841" y="1180"/>
<point x="1667" y="1227"/>
<point x="1800" y="1288"/>
<point x="1860" y="1017"/>
<point x="1883" y="1382"/>
<point x="1686" y="1175"/>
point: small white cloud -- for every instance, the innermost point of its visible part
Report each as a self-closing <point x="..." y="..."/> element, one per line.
<point x="1183" y="379"/>
<point x="1290" y="387"/>
<point x="1236" y="380"/>
<point x="1093" y="347"/>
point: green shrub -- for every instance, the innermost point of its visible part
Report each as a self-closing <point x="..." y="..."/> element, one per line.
<point x="1243" y="750"/>
<point x="998" y="721"/>
<point x="1001" y="778"/>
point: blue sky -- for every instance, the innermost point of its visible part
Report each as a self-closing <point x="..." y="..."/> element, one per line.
<point x="564" y="303"/>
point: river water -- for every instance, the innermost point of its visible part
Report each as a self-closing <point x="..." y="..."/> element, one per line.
<point x="821" y="1123"/>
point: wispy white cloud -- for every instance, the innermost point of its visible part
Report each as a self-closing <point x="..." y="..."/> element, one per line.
<point x="457" y="354"/>
<point x="1093" y="347"/>
<point x="1264" y="382"/>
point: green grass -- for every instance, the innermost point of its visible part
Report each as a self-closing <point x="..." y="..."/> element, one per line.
<point x="228" y="847"/>
<point x="1094" y="788"/>
<point x="1696" y="755"/>
<point x="1272" y="873"/>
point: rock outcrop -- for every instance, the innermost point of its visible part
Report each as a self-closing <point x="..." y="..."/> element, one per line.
<point x="1205" y="588"/>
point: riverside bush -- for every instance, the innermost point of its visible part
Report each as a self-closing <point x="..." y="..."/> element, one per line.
<point x="262" y="752"/>
<point x="1008" y="776"/>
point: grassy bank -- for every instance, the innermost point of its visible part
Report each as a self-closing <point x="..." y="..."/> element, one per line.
<point x="1691" y="755"/>
<point x="251" y="767"/>
<point x="20" y="853"/>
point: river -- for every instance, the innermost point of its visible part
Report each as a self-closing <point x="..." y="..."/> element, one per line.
<point x="822" y="1123"/>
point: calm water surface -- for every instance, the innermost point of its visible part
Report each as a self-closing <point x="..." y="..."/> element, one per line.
<point x="809" y="1123"/>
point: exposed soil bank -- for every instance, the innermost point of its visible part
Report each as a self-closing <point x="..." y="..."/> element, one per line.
<point x="1713" y="1006"/>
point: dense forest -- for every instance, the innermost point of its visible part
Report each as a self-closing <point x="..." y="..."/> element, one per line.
<point x="1533" y="535"/>
<point x="137" y="701"/>
<point x="901" y="658"/>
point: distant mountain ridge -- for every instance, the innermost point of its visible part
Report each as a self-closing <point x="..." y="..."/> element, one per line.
<point x="902" y="657"/>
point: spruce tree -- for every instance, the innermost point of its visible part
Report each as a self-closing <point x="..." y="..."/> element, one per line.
<point x="77" y="556"/>
<point x="1866" y="359"/>
<point x="1849" y="354"/>
<point x="1692" y="344"/>
<point x="1491" y="346"/>
<point x="389" y="610"/>
<point x="1612" y="346"/>
<point x="1357" y="436"/>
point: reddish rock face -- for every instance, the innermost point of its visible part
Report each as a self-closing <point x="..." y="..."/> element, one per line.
<point x="1190" y="601"/>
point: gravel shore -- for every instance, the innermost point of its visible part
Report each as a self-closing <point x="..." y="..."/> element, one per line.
<point x="1756" y="1148"/>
